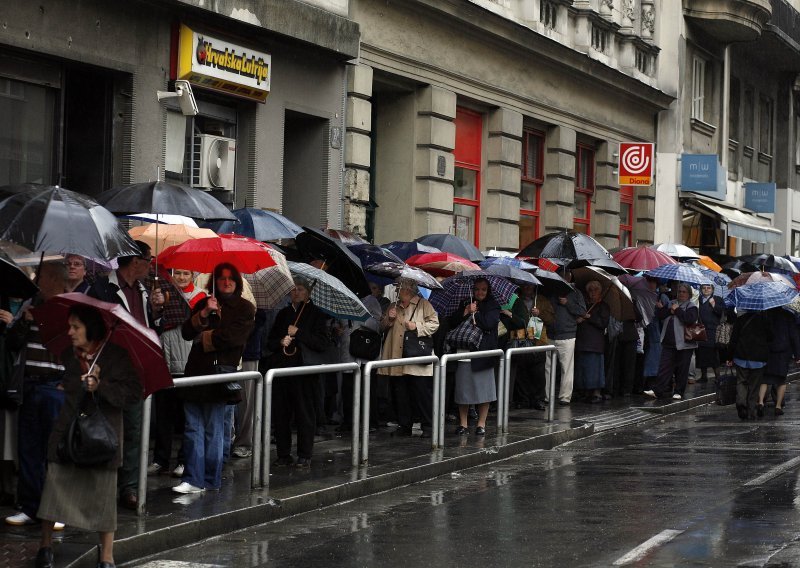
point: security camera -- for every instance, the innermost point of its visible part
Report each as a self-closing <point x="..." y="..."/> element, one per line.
<point x="183" y="92"/>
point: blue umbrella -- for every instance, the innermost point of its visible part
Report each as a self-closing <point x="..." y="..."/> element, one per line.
<point x="679" y="272"/>
<point x="506" y="261"/>
<point x="406" y="250"/>
<point x="761" y="296"/>
<point x="453" y="244"/>
<point x="257" y="224"/>
<point x="372" y="254"/>
<point x="719" y="280"/>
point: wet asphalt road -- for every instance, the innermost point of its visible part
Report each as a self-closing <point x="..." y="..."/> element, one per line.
<point x="697" y="489"/>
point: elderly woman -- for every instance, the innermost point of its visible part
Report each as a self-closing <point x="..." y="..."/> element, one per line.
<point x="219" y="326"/>
<point x="676" y="352"/>
<point x="411" y="385"/>
<point x="86" y="497"/>
<point x="475" y="382"/>
<point x="299" y="329"/>
<point x="590" y="344"/>
<point x="711" y="309"/>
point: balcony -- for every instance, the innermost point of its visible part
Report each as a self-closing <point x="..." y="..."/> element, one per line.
<point x="729" y="21"/>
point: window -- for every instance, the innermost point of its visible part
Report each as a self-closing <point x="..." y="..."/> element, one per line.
<point x="734" y="109"/>
<point x="642" y="61"/>
<point x="531" y="187"/>
<point x="698" y="87"/>
<point x="599" y="38"/>
<point x="584" y="188"/>
<point x="548" y="12"/>
<point x="467" y="182"/>
<point x="765" y="125"/>
<point x="626" y="216"/>
<point x="749" y="121"/>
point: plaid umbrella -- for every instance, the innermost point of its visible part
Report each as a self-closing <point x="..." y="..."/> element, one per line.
<point x="761" y="296"/>
<point x="458" y="288"/>
<point x="329" y="294"/>
<point x="270" y="285"/>
<point x="679" y="272"/>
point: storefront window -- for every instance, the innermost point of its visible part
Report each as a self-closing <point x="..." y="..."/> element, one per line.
<point x="467" y="177"/>
<point x="531" y="188"/>
<point x="584" y="189"/>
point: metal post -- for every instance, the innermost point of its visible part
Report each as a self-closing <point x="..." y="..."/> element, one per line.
<point x="258" y="455"/>
<point x="501" y="394"/>
<point x="506" y="386"/>
<point x="438" y="404"/>
<point x="356" y="416"/>
<point x="442" y="399"/>
<point x="267" y="427"/>
<point x="366" y="410"/>
<point x="551" y="409"/>
<point x="143" y="456"/>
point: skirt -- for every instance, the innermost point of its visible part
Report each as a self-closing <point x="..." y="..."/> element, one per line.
<point x="774" y="380"/>
<point x="474" y="387"/>
<point x="706" y="357"/>
<point x="82" y="497"/>
<point x="589" y="370"/>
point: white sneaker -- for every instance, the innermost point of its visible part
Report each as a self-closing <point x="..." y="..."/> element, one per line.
<point x="20" y="520"/>
<point x="178" y="471"/>
<point x="154" y="468"/>
<point x="676" y="396"/>
<point x="187" y="488"/>
<point x="650" y="393"/>
<point x="58" y="526"/>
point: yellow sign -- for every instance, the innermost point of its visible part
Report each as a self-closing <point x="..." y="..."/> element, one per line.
<point x="217" y="64"/>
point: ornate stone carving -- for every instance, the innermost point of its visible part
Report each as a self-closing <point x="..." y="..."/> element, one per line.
<point x="607" y="4"/>
<point x="649" y="19"/>
<point x="629" y="9"/>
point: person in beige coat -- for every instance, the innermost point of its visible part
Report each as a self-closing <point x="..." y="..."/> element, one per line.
<point x="411" y="385"/>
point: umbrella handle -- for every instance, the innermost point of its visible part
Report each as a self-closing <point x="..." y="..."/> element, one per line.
<point x="297" y="319"/>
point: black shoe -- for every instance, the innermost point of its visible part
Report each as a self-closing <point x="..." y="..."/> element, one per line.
<point x="538" y="405"/>
<point x="778" y="411"/>
<point x="461" y="431"/>
<point x="283" y="461"/>
<point x="595" y="399"/>
<point x="426" y="433"/>
<point x="44" y="558"/>
<point x="480" y="431"/>
<point x="702" y="380"/>
<point x="404" y="431"/>
<point x="741" y="411"/>
<point x="303" y="463"/>
<point x="563" y="403"/>
<point x="106" y="565"/>
<point x="760" y="411"/>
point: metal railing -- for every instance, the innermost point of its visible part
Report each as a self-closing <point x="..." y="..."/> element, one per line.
<point x="183" y="382"/>
<point x="367" y="376"/>
<point x="442" y="382"/>
<point x="272" y="374"/>
<point x="505" y="384"/>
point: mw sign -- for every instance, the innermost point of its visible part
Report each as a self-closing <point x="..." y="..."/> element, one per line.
<point x="636" y="163"/>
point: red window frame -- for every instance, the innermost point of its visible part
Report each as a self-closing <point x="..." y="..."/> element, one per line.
<point x="469" y="134"/>
<point x="588" y="190"/>
<point x="533" y="176"/>
<point x="626" y="196"/>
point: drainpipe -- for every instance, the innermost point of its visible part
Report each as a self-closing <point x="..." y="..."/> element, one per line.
<point x="724" y="132"/>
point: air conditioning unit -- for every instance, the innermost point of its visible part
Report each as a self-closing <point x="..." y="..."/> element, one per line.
<point x="213" y="162"/>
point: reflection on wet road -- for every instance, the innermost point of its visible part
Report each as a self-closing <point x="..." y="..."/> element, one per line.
<point x="698" y="489"/>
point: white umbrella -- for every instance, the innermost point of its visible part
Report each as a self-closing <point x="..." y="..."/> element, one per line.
<point x="163" y="219"/>
<point x="676" y="250"/>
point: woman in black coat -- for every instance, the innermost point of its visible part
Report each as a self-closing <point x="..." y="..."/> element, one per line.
<point x="784" y="347"/>
<point x="711" y="310"/>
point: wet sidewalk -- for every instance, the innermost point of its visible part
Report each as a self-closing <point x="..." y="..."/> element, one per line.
<point x="174" y="520"/>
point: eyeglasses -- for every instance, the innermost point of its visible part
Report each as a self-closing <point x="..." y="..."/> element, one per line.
<point x="74" y="264"/>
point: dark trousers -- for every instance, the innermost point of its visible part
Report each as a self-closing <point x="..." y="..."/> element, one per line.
<point x="294" y="397"/>
<point x="673" y="365"/>
<point x="528" y="384"/>
<point x="413" y="398"/>
<point x="41" y="404"/>
<point x="747" y="383"/>
<point x="128" y="473"/>
<point x="169" y="420"/>
<point x="626" y="367"/>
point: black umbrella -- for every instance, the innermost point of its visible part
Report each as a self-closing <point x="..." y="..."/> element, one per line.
<point x="257" y="224"/>
<point x="552" y="283"/>
<point x="516" y="275"/>
<point x="565" y="245"/>
<point x="372" y="254"/>
<point x="56" y="220"/>
<point x="15" y="282"/>
<point x="338" y="260"/>
<point x="608" y="264"/>
<point x="164" y="197"/>
<point x="452" y="244"/>
<point x="770" y="261"/>
<point x="406" y="250"/>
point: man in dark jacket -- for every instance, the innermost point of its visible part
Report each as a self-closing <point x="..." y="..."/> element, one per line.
<point x="567" y="311"/>
<point x="748" y="351"/>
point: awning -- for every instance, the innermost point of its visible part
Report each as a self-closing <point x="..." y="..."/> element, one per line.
<point x="741" y="224"/>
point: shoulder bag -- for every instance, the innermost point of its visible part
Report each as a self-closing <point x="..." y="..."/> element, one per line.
<point x="90" y="439"/>
<point x="413" y="344"/>
<point x="466" y="336"/>
<point x="365" y="344"/>
<point x="724" y="330"/>
<point x="694" y="332"/>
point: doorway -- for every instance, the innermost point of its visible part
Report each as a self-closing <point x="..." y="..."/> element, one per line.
<point x="305" y="169"/>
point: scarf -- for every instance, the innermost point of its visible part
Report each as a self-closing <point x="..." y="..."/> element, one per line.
<point x="86" y="356"/>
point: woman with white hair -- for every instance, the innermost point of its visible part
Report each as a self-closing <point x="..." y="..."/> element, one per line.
<point x="411" y="385"/>
<point x="590" y="344"/>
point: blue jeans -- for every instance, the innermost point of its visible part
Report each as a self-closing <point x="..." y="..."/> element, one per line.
<point x="230" y="414"/>
<point x="41" y="405"/>
<point x="203" y="443"/>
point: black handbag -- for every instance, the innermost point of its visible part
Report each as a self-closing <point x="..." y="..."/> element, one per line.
<point x="90" y="440"/>
<point x="413" y="344"/>
<point x="365" y="344"/>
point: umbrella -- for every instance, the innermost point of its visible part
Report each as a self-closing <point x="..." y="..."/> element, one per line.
<point x="441" y="263"/>
<point x="338" y="260"/>
<point x="793" y="259"/>
<point x="679" y="272"/>
<point x="15" y="282"/>
<point x="404" y="249"/>
<point x="565" y="245"/>
<point x="56" y="220"/>
<point x="453" y="244"/>
<point x="552" y="283"/>
<point x="676" y="250"/>
<point x="371" y="254"/>
<point x="395" y="270"/>
<point x="607" y="264"/>
<point x="642" y="258"/>
<point x="506" y="261"/>
<point x="164" y="219"/>
<point x="644" y="298"/>
<point x="709" y="263"/>
<point x="719" y="280"/>
<point x="458" y="288"/>
<point x="615" y="294"/>
<point x="761" y="296"/>
<point x="755" y="277"/>
<point x="345" y="237"/>
<point x="329" y="294"/>
<point x="515" y="275"/>
<point x="141" y="343"/>
<point x="203" y="255"/>
<point x="270" y="285"/>
<point x="258" y="224"/>
<point x="164" y="197"/>
<point x="168" y="235"/>
<point x="770" y="261"/>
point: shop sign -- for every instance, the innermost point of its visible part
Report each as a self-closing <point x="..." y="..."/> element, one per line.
<point x="760" y="197"/>
<point x="213" y="63"/>
<point x="636" y="161"/>
<point x="701" y="173"/>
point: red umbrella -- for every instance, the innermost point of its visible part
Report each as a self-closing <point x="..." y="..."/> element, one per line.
<point x="203" y="255"/>
<point x="441" y="263"/>
<point x="141" y="343"/>
<point x="642" y="258"/>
